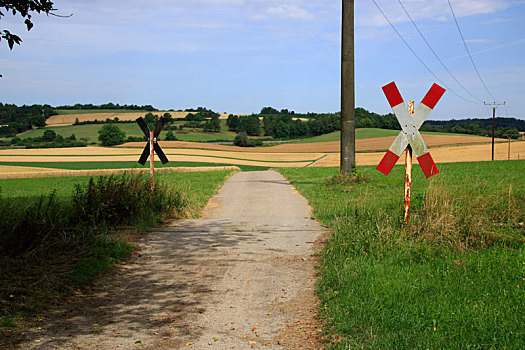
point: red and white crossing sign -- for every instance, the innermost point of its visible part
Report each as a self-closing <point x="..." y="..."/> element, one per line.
<point x="410" y="125"/>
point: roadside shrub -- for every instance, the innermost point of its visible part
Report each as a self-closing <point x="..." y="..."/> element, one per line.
<point x="96" y="208"/>
<point x="115" y="201"/>
<point x="350" y="179"/>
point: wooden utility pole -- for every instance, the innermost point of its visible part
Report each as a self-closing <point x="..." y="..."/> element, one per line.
<point x="347" y="90"/>
<point x="494" y="105"/>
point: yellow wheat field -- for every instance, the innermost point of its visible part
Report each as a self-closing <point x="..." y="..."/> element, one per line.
<point x="69" y="119"/>
<point x="452" y="154"/>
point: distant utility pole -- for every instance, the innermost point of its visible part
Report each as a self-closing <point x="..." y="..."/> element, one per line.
<point x="494" y="105"/>
<point x="347" y="90"/>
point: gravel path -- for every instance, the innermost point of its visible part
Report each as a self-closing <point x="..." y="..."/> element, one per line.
<point x="240" y="277"/>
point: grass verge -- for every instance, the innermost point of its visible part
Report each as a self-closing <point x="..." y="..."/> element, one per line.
<point x="453" y="278"/>
<point x="53" y="245"/>
<point x="123" y="165"/>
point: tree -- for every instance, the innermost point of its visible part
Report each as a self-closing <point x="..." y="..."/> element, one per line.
<point x="250" y="124"/>
<point x="24" y="8"/>
<point x="232" y="122"/>
<point x="49" y="136"/>
<point x="111" y="134"/>
<point x="242" y="140"/>
<point x="213" y="125"/>
<point x="170" y="136"/>
<point x="269" y="110"/>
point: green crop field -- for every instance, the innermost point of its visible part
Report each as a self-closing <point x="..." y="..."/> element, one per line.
<point x="365" y="133"/>
<point x="90" y="131"/>
<point x="453" y="278"/>
<point x="124" y="165"/>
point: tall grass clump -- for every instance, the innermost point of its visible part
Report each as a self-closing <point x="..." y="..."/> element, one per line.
<point x="468" y="215"/>
<point x="51" y="245"/>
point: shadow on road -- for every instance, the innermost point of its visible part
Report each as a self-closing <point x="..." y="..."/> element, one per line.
<point x="161" y="288"/>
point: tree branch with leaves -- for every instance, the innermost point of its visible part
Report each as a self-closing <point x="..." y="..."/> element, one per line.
<point x="25" y="9"/>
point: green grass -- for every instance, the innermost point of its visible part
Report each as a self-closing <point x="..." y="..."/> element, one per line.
<point x="367" y="133"/>
<point x="89" y="131"/>
<point x="124" y="165"/>
<point x="453" y="278"/>
<point x="64" y="186"/>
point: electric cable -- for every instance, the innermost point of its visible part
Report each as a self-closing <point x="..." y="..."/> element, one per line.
<point x="466" y="47"/>
<point x="416" y="55"/>
<point x="436" y="55"/>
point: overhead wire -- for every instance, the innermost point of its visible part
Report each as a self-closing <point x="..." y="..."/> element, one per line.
<point x="417" y="56"/>
<point x="436" y="55"/>
<point x="466" y="48"/>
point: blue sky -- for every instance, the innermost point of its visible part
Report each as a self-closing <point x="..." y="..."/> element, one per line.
<point x="237" y="56"/>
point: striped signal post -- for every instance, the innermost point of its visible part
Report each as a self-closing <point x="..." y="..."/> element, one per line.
<point x="408" y="171"/>
<point x="409" y="137"/>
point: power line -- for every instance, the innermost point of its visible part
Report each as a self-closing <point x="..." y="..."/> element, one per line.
<point x="464" y="43"/>
<point x="436" y="55"/>
<point x="416" y="55"/>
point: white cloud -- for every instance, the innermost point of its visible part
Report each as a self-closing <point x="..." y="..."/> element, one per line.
<point x="289" y="11"/>
<point x="477" y="41"/>
<point x="369" y="16"/>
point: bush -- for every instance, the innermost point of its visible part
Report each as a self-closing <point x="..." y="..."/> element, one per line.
<point x="111" y="134"/>
<point x="242" y="140"/>
<point x="105" y="204"/>
<point x="170" y="136"/>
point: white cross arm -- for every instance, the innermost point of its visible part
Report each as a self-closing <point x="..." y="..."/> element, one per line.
<point x="410" y="129"/>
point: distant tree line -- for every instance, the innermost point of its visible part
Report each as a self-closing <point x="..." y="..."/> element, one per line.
<point x="109" y="105"/>
<point x="14" y="119"/>
<point x="203" y="118"/>
<point x="505" y="127"/>
<point x="49" y="139"/>
<point x="284" y="124"/>
<point x="107" y="121"/>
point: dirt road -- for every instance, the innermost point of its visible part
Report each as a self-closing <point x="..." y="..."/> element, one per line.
<point x="240" y="277"/>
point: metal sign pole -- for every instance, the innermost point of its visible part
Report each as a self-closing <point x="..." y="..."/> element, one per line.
<point x="408" y="171"/>
<point x="152" y="160"/>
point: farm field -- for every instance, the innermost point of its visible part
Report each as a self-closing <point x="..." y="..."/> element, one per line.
<point x="68" y="117"/>
<point x="445" y="149"/>
<point x="451" y="279"/>
<point x="90" y="132"/>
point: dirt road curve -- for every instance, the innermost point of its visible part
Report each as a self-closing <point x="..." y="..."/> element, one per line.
<point x="240" y="277"/>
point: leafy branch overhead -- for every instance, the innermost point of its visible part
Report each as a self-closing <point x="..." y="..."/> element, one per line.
<point x="24" y="9"/>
